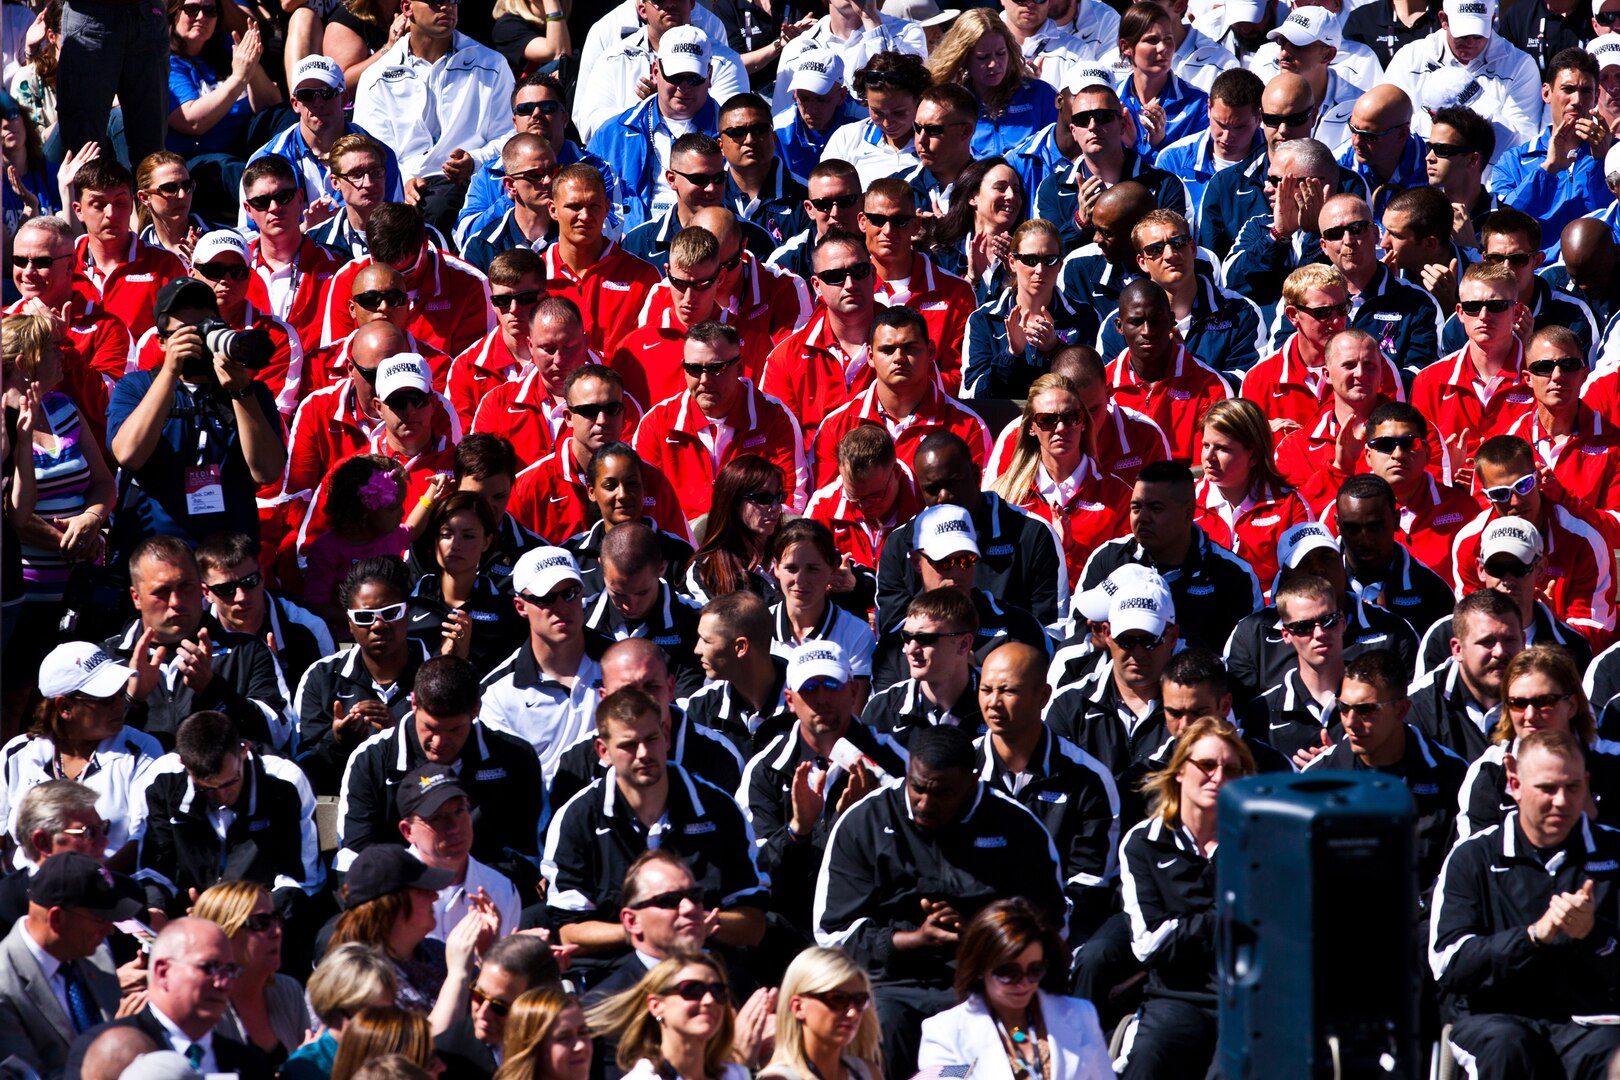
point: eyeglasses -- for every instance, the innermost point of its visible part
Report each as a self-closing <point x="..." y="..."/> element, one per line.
<point x="368" y="616"/>
<point x="502" y="301"/>
<point x="1446" y="151"/>
<point x="1335" y="233"/>
<point x="935" y="131"/>
<point x="493" y="1004"/>
<point x="372" y="299"/>
<point x="284" y="197"/>
<point x="1209" y="766"/>
<point x="1374" y="136"/>
<point x="1093" y="118"/>
<point x="672" y="900"/>
<point x="927" y="638"/>
<point x="1174" y="243"/>
<point x="565" y="595"/>
<point x="1518" y="259"/>
<point x="702" y="179"/>
<point x="437" y="5"/>
<point x="1293" y="119"/>
<point x="744" y="132"/>
<point x="1307" y="627"/>
<point x="199" y="11"/>
<point x="1050" y="421"/>
<point x="1029" y="258"/>
<point x="1567" y="364"/>
<point x="215" y="970"/>
<point x="1542" y="702"/>
<point x="841" y="1001"/>
<point x="529" y="108"/>
<point x="1139" y="642"/>
<point x="37" y="262"/>
<point x="1508" y="567"/>
<point x="1388" y="444"/>
<point x="174" y="188"/>
<point x="837" y="275"/>
<point x="764" y="498"/>
<point x="221" y="271"/>
<point x="93" y="832"/>
<point x="1326" y="311"/>
<point x="1524" y="485"/>
<point x="697" y="371"/>
<point x="690" y="284"/>
<point x="361" y="177"/>
<point x="695" y="990"/>
<point x="592" y="410"/>
<point x="834" y="202"/>
<point x="821" y="683"/>
<point x="953" y="562"/>
<point x="1353" y="709"/>
<point x="1476" y="307"/>
<point x="899" y="221"/>
<point x="310" y="95"/>
<point x="1012" y="974"/>
<point x="225" y="590"/>
<point x="262" y="922"/>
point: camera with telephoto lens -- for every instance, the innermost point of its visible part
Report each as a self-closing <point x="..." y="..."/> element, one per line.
<point x="250" y="348"/>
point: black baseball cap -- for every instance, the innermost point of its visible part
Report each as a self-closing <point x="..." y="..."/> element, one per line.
<point x="385" y="868"/>
<point x="425" y="789"/>
<point x="186" y="292"/>
<point x="72" y="880"/>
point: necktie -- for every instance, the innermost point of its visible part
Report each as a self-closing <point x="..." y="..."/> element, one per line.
<point x="194" y="1054"/>
<point x="80" y="1009"/>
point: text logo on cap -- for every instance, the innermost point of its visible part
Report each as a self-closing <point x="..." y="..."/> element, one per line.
<point x="1472" y="9"/>
<point x="1299" y="18"/>
<point x="555" y="560"/>
<point x="820" y="66"/>
<point x="1138" y="603"/>
<point x="689" y="48"/>
<point x="401" y="367"/>
<point x="93" y="661"/>
<point x="818" y="654"/>
<point x="1516" y="533"/>
<point x="954" y="526"/>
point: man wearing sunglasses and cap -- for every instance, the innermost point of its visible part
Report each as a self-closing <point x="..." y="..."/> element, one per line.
<point x="1507" y="78"/>
<point x="56" y="981"/>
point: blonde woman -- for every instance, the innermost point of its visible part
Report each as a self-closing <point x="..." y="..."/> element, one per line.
<point x="1243" y="502"/>
<point x="267" y="1009"/>
<point x="1167" y="879"/>
<point x="164" y="191"/>
<point x="677" y="1023"/>
<point x="826" y="1027"/>
<point x="547" y="1038"/>
<point x="385" y="1029"/>
<point x="981" y="53"/>
<point x="349" y="978"/>
<point x="531" y="33"/>
<point x="1054" y="474"/>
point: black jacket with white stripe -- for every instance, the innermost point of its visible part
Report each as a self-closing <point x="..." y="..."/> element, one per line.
<point x="1167" y="885"/>
<point x="705" y="754"/>
<point x="343" y="677"/>
<point x="1213" y="588"/>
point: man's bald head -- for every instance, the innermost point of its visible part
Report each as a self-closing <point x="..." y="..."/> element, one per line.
<point x="1117" y="212"/>
<point x="1015" y="660"/>
<point x="1287" y="93"/>
<point x="1384" y="106"/>
<point x="1144" y="291"/>
<point x="1013" y="691"/>
<point x="1589" y="251"/>
<point x="113" y="1051"/>
<point x="375" y="278"/>
<point x="375" y="342"/>
<point x="722" y="225"/>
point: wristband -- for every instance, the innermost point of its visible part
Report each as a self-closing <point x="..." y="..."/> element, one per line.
<point x="425" y="502"/>
<point x="242" y="394"/>
<point x="555" y="16"/>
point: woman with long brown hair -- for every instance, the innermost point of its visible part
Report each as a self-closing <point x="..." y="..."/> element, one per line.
<point x="267" y="1010"/>
<point x="974" y="237"/>
<point x="547" y="1038"/>
<point x="980" y="52"/>
<point x="677" y="1023"/>
<point x="377" y="1030"/>
<point x="1243" y="502"/>
<point x="749" y="495"/>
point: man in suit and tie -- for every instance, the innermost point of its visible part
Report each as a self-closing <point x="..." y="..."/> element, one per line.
<point x="56" y="981"/>
<point x="189" y="977"/>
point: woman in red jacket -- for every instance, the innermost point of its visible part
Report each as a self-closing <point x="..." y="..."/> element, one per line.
<point x="1243" y="502"/>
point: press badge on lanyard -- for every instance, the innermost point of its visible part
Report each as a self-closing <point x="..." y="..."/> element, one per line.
<point x="205" y="493"/>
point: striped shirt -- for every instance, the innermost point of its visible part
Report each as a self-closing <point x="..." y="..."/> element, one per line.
<point x="62" y="477"/>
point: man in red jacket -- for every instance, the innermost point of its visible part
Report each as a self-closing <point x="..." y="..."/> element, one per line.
<point x="871" y="495"/>
<point x="376" y="294"/>
<point x="112" y="267"/>
<point x="1319" y="457"/>
<point x="753" y="294"/>
<point x="721" y="416"/>
<point x="1582" y="448"/>
<point x="608" y="284"/>
<point x="1158" y="377"/>
<point x="516" y="285"/>
<point x="290" y="270"/>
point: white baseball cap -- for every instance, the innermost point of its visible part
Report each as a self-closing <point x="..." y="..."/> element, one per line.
<point x="818" y="71"/>
<point x="684" y="50"/>
<point x="817" y="659"/>
<point x="924" y="13"/>
<point x="1469" y="18"/>
<point x="1093" y="603"/>
<point x="538" y="572"/>
<point x="1605" y="49"/>
<point x="1086" y="76"/>
<point x="1246" y="11"/>
<point x="1447" y="87"/>
<point x="160" y="1065"/>
<point x="1301" y="540"/>
<point x="82" y="667"/>
<point x="403" y="371"/>
<point x="321" y="69"/>
<point x="1143" y="606"/>
<point x="212" y="245"/>
<point x="1611" y="160"/>
<point x="1510" y="536"/>
<point x="945" y="530"/>
<point x="1308" y="26"/>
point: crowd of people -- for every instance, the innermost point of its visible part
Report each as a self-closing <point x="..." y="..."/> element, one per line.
<point x="691" y="542"/>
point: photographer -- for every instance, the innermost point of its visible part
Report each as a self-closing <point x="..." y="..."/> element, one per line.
<point x="196" y="437"/>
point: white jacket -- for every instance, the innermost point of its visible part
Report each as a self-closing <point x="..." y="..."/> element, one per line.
<point x="1506" y="85"/>
<point x="424" y="111"/>
<point x="967" y="1034"/>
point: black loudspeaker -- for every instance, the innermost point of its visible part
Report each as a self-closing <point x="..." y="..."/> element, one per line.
<point x="1316" y="891"/>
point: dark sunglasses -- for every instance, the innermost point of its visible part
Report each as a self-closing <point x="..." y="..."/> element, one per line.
<point x="493" y="1004"/>
<point x="1388" y="444"/>
<point x="1010" y="974"/>
<point x="1093" y="118"/>
<point x="691" y="284"/>
<point x="533" y="176"/>
<point x="934" y="131"/>
<point x="284" y="197"/>
<point x="262" y="922"/>
<point x="702" y="179"/>
<point x="686" y="81"/>
<point x="695" y="990"/>
<point x="226" y="590"/>
<point x="839" y="274"/>
<point x="200" y="11"/>
<point x="732" y="263"/>
<point x="502" y="301"/>
<point x="1139" y="642"/>
<point x="1542" y="702"/>
<point x="1476" y="307"/>
<point x="1371" y="135"/>
<point x="744" y="132"/>
<point x="1327" y="311"/>
<point x="672" y="900"/>
<point x="373" y="299"/>
<point x="1524" y="485"/>
<point x="1293" y="119"/>
<point x="1507" y="567"/>
<point x="831" y="202"/>
<point x="1567" y="364"/>
<point x="1030" y="258"/>
<point x="1050" y="421"/>
<point x="565" y="595"/>
<point x="841" y="1001"/>
<point x="310" y="95"/>
<point x="439" y="5"/>
<point x="367" y="373"/>
<point x="1447" y="151"/>
<point x="1519" y="259"/>
<point x="883" y="78"/>
<point x="927" y="638"/>
<point x="406" y="400"/>
<point x="697" y="371"/>
<point x="954" y="562"/>
<point x="899" y="221"/>
<point x="221" y="271"/>
<point x="37" y="262"/>
<point x="1307" y="627"/>
<point x="174" y="188"/>
<point x="544" y="108"/>
<point x="1174" y="243"/>
<point x="1353" y="709"/>
<point x="1606" y="18"/>
<point x="1335" y="233"/>
<point x="764" y="498"/>
<point x="592" y="411"/>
